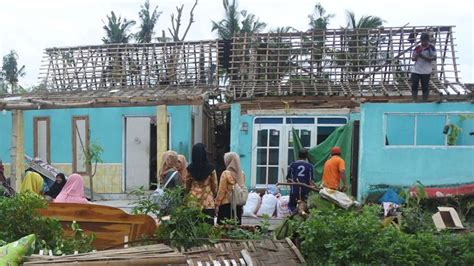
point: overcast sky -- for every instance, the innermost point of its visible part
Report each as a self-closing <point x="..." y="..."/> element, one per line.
<point x="30" y="26"/>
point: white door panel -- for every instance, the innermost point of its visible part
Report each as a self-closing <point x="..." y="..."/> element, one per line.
<point x="137" y="152"/>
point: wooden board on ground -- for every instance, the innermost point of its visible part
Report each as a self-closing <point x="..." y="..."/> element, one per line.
<point x="111" y="226"/>
<point x="257" y="252"/>
<point x="145" y="255"/>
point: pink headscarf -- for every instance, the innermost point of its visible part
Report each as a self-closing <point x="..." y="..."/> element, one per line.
<point x="73" y="191"/>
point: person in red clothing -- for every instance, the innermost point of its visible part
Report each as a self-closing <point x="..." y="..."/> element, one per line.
<point x="335" y="171"/>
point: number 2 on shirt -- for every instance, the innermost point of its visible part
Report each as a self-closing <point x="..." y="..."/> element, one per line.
<point x="300" y="171"/>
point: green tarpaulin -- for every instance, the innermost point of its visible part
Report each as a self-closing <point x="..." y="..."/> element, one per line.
<point x="318" y="155"/>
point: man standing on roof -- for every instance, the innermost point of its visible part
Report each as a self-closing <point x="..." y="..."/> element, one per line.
<point x="423" y="55"/>
<point x="299" y="171"/>
<point x="334" y="171"/>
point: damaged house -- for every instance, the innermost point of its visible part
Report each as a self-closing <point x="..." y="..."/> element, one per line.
<point x="247" y="95"/>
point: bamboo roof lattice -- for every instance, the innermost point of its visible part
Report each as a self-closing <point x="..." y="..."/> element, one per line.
<point x="342" y="62"/>
<point x="130" y="66"/>
<point x="333" y="62"/>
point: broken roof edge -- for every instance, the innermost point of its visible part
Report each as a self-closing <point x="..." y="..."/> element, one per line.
<point x="93" y="99"/>
<point x="333" y="102"/>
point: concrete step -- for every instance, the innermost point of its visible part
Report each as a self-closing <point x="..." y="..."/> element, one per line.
<point x="119" y="196"/>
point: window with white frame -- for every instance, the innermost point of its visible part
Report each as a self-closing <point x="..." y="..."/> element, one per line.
<point x="273" y="143"/>
<point x="429" y="129"/>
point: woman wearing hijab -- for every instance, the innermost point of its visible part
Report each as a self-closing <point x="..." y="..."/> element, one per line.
<point x="181" y="167"/>
<point x="201" y="181"/>
<point x="32" y="182"/>
<point x="232" y="175"/>
<point x="73" y="191"/>
<point x="168" y="170"/>
<point x="53" y="192"/>
<point x="5" y="189"/>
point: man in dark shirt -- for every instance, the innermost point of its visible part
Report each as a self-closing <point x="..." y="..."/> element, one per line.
<point x="299" y="171"/>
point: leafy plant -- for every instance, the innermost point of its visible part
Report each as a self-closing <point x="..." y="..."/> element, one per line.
<point x="143" y="204"/>
<point x="172" y="198"/>
<point x="78" y="242"/>
<point x="231" y="230"/>
<point x="10" y="73"/>
<point x="357" y="237"/>
<point x="453" y="134"/>
<point x="20" y="218"/>
<point x="186" y="227"/>
<point x="93" y="157"/>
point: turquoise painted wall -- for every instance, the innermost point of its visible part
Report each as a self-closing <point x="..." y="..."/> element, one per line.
<point x="402" y="166"/>
<point x="241" y="141"/>
<point x="5" y="136"/>
<point x="181" y="133"/>
<point x="245" y="148"/>
<point x="106" y="125"/>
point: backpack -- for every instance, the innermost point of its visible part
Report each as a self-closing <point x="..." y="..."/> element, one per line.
<point x="239" y="195"/>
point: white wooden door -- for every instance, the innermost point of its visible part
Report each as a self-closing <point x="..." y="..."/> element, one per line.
<point x="137" y="152"/>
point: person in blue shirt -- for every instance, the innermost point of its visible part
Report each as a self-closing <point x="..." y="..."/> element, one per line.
<point x="299" y="171"/>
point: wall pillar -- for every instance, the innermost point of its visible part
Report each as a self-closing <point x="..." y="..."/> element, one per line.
<point x="235" y="127"/>
<point x="18" y="149"/>
<point x="161" y="134"/>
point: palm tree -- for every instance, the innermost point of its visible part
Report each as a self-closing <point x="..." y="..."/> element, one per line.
<point x="11" y="72"/>
<point x="362" y="47"/>
<point x="286" y="29"/>
<point x="148" y="21"/>
<point x="251" y="24"/>
<point x="236" y="21"/>
<point x="319" y="20"/>
<point x="365" y="22"/>
<point x="117" y="30"/>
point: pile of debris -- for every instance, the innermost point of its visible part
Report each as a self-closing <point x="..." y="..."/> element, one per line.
<point x="261" y="252"/>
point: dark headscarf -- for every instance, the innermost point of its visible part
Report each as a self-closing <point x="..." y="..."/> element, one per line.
<point x="56" y="188"/>
<point x="200" y="168"/>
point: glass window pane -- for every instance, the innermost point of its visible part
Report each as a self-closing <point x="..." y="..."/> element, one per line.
<point x="272" y="175"/>
<point x="332" y="120"/>
<point x="269" y="120"/>
<point x="261" y="156"/>
<point x="274" y="138"/>
<point x="305" y="137"/>
<point x="261" y="175"/>
<point x="273" y="157"/>
<point x="324" y="132"/>
<point x="300" y="120"/>
<point x="291" y="156"/>
<point x="400" y="130"/>
<point x="429" y="129"/>
<point x="262" y="136"/>
<point x="290" y="136"/>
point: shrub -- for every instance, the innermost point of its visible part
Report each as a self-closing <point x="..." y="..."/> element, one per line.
<point x="357" y="237"/>
<point x="186" y="227"/>
<point x="20" y="218"/>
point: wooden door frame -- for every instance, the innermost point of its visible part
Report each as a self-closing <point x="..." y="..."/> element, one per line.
<point x="74" y="132"/>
